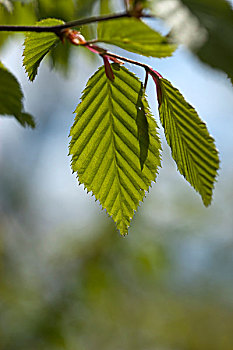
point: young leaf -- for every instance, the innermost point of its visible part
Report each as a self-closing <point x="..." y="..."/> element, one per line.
<point x="11" y="98"/>
<point x="192" y="146"/>
<point x="37" y="45"/>
<point x="105" y="146"/>
<point x="134" y="35"/>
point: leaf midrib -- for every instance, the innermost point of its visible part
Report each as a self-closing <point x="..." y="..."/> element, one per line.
<point x="114" y="149"/>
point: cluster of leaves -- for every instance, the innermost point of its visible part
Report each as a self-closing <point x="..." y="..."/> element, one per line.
<point x="114" y="144"/>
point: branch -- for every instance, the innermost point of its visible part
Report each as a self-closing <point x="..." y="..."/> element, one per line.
<point x="121" y="58"/>
<point x="58" y="28"/>
<point x="146" y="80"/>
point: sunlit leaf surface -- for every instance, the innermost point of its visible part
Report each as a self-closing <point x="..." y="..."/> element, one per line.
<point x="192" y="146"/>
<point x="108" y="145"/>
<point x="37" y="45"/>
<point x="134" y="35"/>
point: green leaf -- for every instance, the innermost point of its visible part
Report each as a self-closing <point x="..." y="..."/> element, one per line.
<point x="60" y="57"/>
<point x="105" y="146"/>
<point x="26" y="119"/>
<point x="134" y="35"/>
<point x="193" y="148"/>
<point x="11" y="98"/>
<point x="37" y="45"/>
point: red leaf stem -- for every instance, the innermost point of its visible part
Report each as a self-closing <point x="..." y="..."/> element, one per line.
<point x="156" y="77"/>
<point x="108" y="68"/>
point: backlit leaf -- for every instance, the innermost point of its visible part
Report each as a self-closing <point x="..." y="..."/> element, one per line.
<point x="108" y="147"/>
<point x="134" y="35"/>
<point x="37" y="45"/>
<point x="192" y="146"/>
<point x="11" y="98"/>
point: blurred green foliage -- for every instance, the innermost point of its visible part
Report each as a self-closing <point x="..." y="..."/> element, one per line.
<point x="104" y="292"/>
<point x="204" y="26"/>
<point x="216" y="16"/>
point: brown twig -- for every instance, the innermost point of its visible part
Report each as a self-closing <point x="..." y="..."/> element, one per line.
<point x="121" y="58"/>
<point x="146" y="79"/>
<point x="58" y="28"/>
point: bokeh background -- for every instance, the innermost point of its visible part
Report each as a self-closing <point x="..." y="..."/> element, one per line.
<point x="67" y="278"/>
